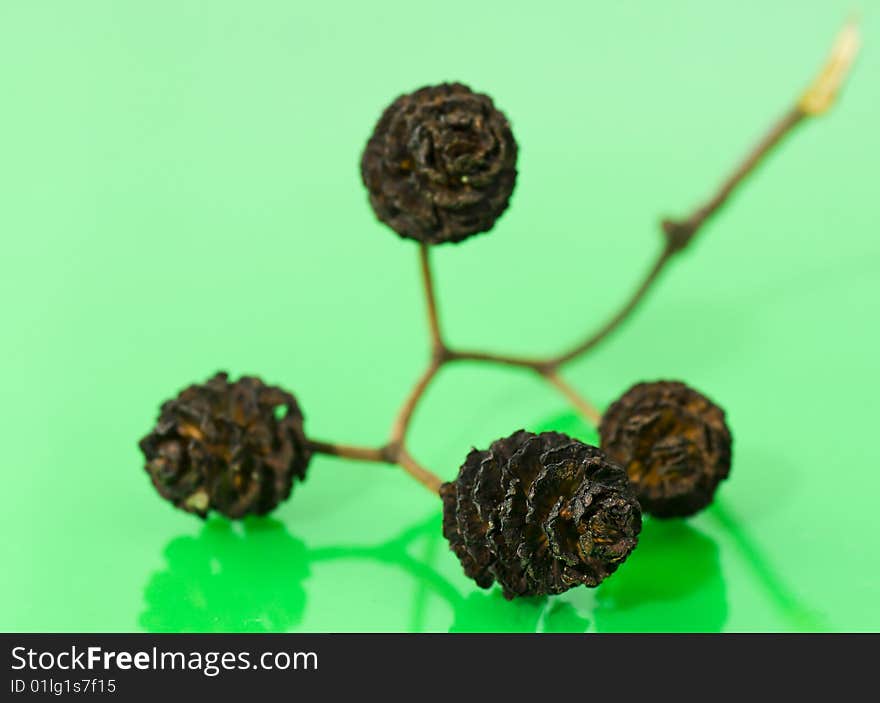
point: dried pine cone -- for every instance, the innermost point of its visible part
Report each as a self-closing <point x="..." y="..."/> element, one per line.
<point x="441" y="164"/>
<point x="673" y="443"/>
<point x="231" y="447"/>
<point x="540" y="514"/>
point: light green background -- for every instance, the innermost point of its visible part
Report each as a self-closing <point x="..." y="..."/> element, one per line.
<point x="179" y="193"/>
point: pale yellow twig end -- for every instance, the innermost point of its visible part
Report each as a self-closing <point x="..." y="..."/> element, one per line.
<point x="821" y="94"/>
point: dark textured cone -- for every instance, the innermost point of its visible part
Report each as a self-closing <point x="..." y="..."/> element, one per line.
<point x="440" y="165"/>
<point x="673" y="443"/>
<point x="231" y="447"/>
<point x="540" y="514"/>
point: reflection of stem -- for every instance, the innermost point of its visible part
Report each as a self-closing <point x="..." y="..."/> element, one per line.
<point x="425" y="528"/>
<point x="413" y="566"/>
<point x="789" y="604"/>
<point x="420" y="571"/>
<point x="394" y="552"/>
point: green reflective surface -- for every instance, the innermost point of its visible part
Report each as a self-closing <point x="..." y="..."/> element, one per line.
<point x="180" y="194"/>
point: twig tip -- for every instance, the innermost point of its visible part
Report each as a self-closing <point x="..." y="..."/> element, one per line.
<point x="822" y="92"/>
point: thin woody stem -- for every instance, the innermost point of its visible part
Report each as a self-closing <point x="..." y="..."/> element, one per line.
<point x="525" y="362"/>
<point x="587" y="409"/>
<point x="546" y="368"/>
<point x="679" y="233"/>
<point x="817" y="99"/>
<point x="395" y="452"/>
<point x="349" y="451"/>
<point x="621" y="315"/>
<point x="404" y="415"/>
<point x="427" y="478"/>
<point x="389" y="454"/>
<point x="437" y="345"/>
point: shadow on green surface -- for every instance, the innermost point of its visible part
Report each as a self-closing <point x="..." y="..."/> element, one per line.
<point x="672" y="582"/>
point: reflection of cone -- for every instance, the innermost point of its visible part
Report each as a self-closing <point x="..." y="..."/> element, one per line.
<point x="229" y="578"/>
<point x="671" y="583"/>
<point x="490" y="612"/>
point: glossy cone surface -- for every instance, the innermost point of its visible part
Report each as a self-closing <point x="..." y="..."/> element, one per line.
<point x="441" y="164"/>
<point x="674" y="444"/>
<point x="231" y="447"/>
<point x="540" y="514"/>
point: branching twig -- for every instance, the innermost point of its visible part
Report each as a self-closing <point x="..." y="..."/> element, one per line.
<point x="404" y="415"/>
<point x="678" y="234"/>
<point x="427" y="478"/>
<point x="525" y="362"/>
<point x="583" y="347"/>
